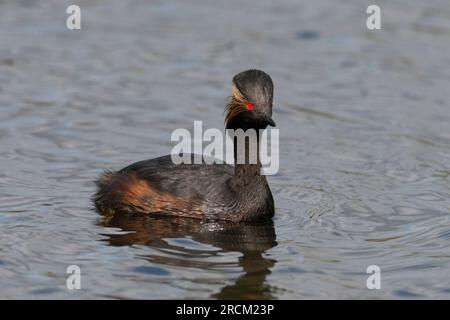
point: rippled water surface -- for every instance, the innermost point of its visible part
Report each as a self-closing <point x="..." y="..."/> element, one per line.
<point x="364" y="152"/>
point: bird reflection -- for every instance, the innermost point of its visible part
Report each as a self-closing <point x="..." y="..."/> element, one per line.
<point x="252" y="240"/>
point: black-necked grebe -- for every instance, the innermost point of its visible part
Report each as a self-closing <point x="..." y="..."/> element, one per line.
<point x="206" y="191"/>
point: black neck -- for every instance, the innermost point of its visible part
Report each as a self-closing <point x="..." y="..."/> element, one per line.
<point x="247" y="170"/>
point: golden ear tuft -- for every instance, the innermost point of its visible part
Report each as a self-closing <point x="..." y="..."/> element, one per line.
<point x="237" y="104"/>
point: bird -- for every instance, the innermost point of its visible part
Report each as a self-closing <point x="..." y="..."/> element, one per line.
<point x="214" y="191"/>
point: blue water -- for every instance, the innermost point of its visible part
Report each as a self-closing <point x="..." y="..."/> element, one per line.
<point x="364" y="147"/>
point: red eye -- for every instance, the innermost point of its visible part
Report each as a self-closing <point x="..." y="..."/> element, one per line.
<point x="250" y="106"/>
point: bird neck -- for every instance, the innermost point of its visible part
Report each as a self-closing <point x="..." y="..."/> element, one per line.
<point x="247" y="170"/>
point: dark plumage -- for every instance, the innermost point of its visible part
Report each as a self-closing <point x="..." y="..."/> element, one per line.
<point x="217" y="191"/>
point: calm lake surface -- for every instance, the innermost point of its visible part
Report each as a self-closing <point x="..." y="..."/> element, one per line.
<point x="364" y="119"/>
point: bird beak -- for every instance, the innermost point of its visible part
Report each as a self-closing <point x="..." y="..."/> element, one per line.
<point x="268" y="119"/>
<point x="271" y="122"/>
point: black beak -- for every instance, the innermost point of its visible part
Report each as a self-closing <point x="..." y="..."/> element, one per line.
<point x="270" y="122"/>
<point x="268" y="119"/>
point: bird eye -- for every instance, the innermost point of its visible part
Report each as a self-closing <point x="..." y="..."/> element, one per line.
<point x="249" y="106"/>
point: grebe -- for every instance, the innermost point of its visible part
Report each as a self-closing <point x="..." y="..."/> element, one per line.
<point x="206" y="191"/>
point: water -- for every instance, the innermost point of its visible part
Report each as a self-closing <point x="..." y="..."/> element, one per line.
<point x="365" y="147"/>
